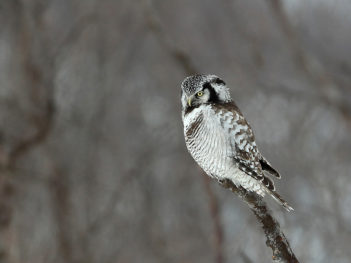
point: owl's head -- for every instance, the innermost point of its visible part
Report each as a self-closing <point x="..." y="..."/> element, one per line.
<point x="203" y="89"/>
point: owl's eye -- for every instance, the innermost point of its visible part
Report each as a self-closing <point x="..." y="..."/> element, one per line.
<point x="200" y="93"/>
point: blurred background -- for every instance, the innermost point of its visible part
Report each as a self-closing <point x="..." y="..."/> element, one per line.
<point x="93" y="161"/>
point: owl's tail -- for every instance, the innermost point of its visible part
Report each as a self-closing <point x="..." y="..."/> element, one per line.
<point x="280" y="200"/>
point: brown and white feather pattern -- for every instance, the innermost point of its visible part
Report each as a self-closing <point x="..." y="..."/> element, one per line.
<point x="220" y="139"/>
<point x="214" y="138"/>
<point x="223" y="144"/>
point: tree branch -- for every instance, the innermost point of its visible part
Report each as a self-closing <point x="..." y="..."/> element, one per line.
<point x="276" y="239"/>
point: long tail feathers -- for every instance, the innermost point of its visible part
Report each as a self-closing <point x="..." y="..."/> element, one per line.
<point x="280" y="200"/>
<point x="266" y="166"/>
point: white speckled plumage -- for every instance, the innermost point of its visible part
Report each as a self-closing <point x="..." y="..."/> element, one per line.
<point x="211" y="145"/>
<point x="220" y="139"/>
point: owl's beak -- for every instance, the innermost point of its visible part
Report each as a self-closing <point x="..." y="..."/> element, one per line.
<point x="189" y="102"/>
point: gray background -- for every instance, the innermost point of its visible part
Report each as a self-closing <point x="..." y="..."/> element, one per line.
<point x="93" y="162"/>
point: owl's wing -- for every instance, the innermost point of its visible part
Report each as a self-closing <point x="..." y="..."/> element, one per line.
<point x="242" y="140"/>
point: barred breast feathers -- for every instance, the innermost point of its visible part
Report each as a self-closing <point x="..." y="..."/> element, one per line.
<point x="224" y="141"/>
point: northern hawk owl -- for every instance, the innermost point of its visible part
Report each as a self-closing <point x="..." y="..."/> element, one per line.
<point x="220" y="139"/>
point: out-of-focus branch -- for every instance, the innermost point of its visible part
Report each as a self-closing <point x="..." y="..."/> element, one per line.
<point x="276" y="239"/>
<point x="6" y="211"/>
<point x="312" y="68"/>
<point x="43" y="127"/>
<point x="155" y="26"/>
<point x="60" y="191"/>
<point x="72" y="35"/>
<point x="38" y="78"/>
<point x="109" y="209"/>
<point x="214" y="210"/>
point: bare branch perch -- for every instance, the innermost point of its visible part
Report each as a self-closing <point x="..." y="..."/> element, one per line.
<point x="276" y="239"/>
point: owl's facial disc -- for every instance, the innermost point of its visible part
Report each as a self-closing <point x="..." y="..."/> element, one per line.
<point x="200" y="97"/>
<point x="203" y="89"/>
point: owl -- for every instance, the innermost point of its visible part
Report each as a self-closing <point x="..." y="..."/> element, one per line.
<point x="220" y="139"/>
